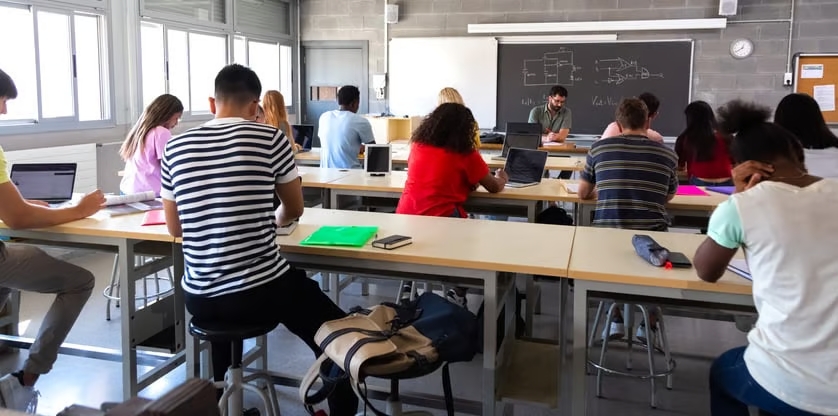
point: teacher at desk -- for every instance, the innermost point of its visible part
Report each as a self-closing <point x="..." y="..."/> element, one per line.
<point x="555" y="118"/>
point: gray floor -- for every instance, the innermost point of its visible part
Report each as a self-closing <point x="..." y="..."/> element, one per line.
<point x="88" y="382"/>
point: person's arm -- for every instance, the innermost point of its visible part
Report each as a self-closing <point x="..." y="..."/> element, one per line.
<point x="564" y="129"/>
<point x="673" y="183"/>
<point x="19" y="214"/>
<point x="288" y="186"/>
<point x="167" y="194"/>
<point x="748" y="174"/>
<point x="160" y="137"/>
<point x="495" y="183"/>
<point x="587" y="183"/>
<point x="365" y="133"/>
<point x="724" y="237"/>
<point x="681" y="151"/>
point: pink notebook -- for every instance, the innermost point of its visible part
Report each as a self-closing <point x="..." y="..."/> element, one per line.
<point x="690" y="190"/>
<point x="155" y="217"/>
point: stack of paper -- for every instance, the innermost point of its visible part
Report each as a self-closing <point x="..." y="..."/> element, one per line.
<point x="572" y="188"/>
<point x="740" y="267"/>
<point x="116" y="205"/>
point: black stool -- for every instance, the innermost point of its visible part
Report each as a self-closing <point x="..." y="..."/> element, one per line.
<point x="393" y="403"/>
<point x="235" y="382"/>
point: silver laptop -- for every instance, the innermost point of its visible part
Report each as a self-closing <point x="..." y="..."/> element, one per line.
<point x="525" y="167"/>
<point x="48" y="182"/>
<point x="521" y="141"/>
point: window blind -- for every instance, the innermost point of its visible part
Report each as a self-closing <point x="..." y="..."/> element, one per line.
<point x="267" y="17"/>
<point x="201" y="10"/>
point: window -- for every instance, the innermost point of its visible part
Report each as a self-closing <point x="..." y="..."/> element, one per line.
<point x="58" y="61"/>
<point x="270" y="60"/>
<point x="182" y="63"/>
<point x="207" y="11"/>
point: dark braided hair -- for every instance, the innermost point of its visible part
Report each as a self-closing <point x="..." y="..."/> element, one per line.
<point x="755" y="137"/>
<point x="450" y="126"/>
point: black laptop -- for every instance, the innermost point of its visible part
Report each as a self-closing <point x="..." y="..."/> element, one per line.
<point x="525" y="167"/>
<point x="522" y="141"/>
<point x="303" y="135"/>
<point x="48" y="182"/>
<point x="523" y="128"/>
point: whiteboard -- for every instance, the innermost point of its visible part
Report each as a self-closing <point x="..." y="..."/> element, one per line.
<point x="420" y="67"/>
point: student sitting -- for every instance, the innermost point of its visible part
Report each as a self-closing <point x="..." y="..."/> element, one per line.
<point x="143" y="148"/>
<point x="276" y="115"/>
<point x="632" y="178"/>
<point x="801" y="115"/>
<point x="219" y="183"/>
<point x="780" y="217"/>
<point x="444" y="167"/>
<point x="28" y="268"/>
<point x="260" y="115"/>
<point x="652" y="104"/>
<point x="702" y="151"/>
<point x="343" y="133"/>
<point x="451" y="95"/>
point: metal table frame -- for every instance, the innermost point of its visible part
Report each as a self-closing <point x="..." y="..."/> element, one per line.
<point x="138" y="325"/>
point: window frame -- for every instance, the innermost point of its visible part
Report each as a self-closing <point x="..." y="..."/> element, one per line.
<point x="188" y="115"/>
<point x="65" y="123"/>
<point x="267" y="39"/>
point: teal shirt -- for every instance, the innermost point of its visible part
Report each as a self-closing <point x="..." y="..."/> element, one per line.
<point x="562" y="120"/>
<point x="725" y="226"/>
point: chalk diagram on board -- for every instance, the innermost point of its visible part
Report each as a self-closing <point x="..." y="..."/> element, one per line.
<point x="553" y="68"/>
<point x="619" y="70"/>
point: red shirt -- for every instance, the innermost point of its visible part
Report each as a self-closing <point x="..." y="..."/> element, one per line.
<point x="439" y="181"/>
<point x="718" y="167"/>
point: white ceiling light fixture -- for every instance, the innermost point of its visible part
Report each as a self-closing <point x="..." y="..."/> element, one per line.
<point x="599" y="26"/>
<point x="557" y="39"/>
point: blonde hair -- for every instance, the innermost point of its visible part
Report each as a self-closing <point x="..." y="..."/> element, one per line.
<point x="449" y="95"/>
<point x="275" y="113"/>
<point x="156" y="114"/>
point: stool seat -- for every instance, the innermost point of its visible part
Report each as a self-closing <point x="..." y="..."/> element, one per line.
<point x="224" y="332"/>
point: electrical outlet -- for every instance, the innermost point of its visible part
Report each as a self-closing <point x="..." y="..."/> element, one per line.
<point x="787" y="79"/>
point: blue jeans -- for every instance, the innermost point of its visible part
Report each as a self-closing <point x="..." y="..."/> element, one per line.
<point x="732" y="390"/>
<point x="698" y="182"/>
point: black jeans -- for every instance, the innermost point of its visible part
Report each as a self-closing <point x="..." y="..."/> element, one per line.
<point x="293" y="300"/>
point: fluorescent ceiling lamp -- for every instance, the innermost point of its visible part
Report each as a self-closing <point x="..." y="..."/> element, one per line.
<point x="603" y="26"/>
<point x="557" y="38"/>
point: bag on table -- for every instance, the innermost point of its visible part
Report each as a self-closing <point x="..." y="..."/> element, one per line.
<point x="648" y="249"/>
<point x="388" y="340"/>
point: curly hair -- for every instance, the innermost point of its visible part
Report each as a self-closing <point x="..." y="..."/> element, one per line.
<point x="450" y="126"/>
<point x="755" y="137"/>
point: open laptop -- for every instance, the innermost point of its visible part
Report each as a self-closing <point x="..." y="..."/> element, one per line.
<point x="525" y="167"/>
<point x="521" y="141"/>
<point x="49" y="182"/>
<point x="523" y="128"/>
<point x="303" y="135"/>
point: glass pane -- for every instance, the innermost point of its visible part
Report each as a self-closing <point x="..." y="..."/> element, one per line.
<point x="153" y="63"/>
<point x="264" y="60"/>
<point x="179" y="67"/>
<point x="18" y="60"/>
<point x="56" y="64"/>
<point x="239" y="51"/>
<point x="203" y="10"/>
<point x="88" y="68"/>
<point x="286" y="74"/>
<point x="207" y="55"/>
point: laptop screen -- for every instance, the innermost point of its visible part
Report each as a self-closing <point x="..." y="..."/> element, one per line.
<point x="521" y="141"/>
<point x="525" y="166"/>
<point x="523" y="128"/>
<point x="377" y="158"/>
<point x="45" y="181"/>
<point x="303" y="135"/>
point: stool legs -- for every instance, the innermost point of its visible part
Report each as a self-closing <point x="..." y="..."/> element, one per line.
<point x="235" y="383"/>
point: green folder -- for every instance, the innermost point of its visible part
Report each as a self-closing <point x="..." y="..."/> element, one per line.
<point x="353" y="236"/>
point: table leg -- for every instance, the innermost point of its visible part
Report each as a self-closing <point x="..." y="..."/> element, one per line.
<point x="580" y="349"/>
<point x="333" y="199"/>
<point x="490" y="336"/>
<point x="326" y="198"/>
<point x="532" y="294"/>
<point x="128" y="309"/>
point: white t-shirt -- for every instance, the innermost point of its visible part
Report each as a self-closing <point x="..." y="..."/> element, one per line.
<point x="822" y="162"/>
<point x="790" y="239"/>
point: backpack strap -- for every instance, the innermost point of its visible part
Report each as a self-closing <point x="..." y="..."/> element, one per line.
<point x="314" y="373"/>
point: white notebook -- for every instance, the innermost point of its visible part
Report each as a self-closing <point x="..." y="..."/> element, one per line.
<point x="740" y="267"/>
<point x="572" y="188"/>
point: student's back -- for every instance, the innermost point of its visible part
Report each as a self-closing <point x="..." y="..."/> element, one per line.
<point x="341" y="135"/>
<point x="634" y="177"/>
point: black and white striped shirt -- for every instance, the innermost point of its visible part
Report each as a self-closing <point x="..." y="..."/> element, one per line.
<point x="222" y="175"/>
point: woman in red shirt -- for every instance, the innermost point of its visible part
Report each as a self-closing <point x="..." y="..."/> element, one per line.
<point x="444" y="165"/>
<point x="703" y="151"/>
<point x="443" y="168"/>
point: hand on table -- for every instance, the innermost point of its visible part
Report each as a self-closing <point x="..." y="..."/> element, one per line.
<point x="91" y="203"/>
<point x="748" y="174"/>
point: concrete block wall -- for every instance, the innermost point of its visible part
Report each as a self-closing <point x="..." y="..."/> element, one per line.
<point x="717" y="77"/>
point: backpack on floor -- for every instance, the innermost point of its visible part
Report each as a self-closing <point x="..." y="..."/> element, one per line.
<point x="554" y="215"/>
<point x="391" y="341"/>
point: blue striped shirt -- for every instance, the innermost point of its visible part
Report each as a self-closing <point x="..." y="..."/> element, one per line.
<point x="223" y="175"/>
<point x="634" y="177"/>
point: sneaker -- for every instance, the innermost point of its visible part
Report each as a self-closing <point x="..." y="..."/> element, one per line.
<point x="16" y="396"/>
<point x="616" y="331"/>
<point x="642" y="336"/>
<point x="456" y="299"/>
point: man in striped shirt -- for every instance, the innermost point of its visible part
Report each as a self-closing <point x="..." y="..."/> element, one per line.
<point x="634" y="176"/>
<point x="218" y="186"/>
